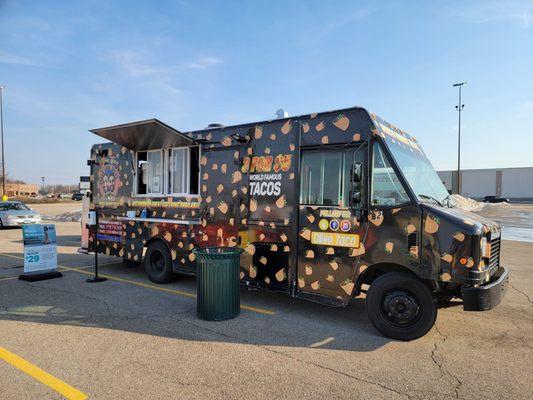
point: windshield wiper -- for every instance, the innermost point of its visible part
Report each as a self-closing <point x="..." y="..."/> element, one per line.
<point x="425" y="196"/>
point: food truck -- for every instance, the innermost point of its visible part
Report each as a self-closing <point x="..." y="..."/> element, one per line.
<point x="325" y="206"/>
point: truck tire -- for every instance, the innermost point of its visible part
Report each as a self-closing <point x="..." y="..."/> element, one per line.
<point x="401" y="306"/>
<point x="158" y="263"/>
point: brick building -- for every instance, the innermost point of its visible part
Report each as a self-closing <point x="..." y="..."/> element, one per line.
<point x="19" y="189"/>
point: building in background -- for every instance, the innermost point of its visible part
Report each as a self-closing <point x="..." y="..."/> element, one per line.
<point x="19" y="189"/>
<point x="513" y="183"/>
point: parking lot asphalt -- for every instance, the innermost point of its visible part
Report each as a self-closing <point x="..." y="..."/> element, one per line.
<point x="128" y="338"/>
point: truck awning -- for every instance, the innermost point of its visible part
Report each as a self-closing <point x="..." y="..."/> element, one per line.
<point x="151" y="134"/>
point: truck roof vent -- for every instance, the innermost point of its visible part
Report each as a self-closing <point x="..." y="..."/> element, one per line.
<point x="281" y="113"/>
<point x="215" y="125"/>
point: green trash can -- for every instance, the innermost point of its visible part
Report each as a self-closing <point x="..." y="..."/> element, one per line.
<point x="218" y="282"/>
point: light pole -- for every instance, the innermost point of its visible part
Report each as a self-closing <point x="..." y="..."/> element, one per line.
<point x="459" y="108"/>
<point x="2" y="135"/>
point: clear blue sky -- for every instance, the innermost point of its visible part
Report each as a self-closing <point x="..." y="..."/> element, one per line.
<point x="72" y="66"/>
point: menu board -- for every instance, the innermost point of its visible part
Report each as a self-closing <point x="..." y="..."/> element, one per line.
<point x="40" y="247"/>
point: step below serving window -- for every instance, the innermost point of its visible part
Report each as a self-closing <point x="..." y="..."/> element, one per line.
<point x="167" y="172"/>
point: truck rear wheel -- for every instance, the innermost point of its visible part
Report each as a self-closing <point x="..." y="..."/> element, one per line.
<point x="401" y="306"/>
<point x="158" y="263"/>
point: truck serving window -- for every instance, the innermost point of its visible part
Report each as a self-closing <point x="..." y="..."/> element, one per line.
<point x="387" y="189"/>
<point x="183" y="171"/>
<point x="172" y="171"/>
<point x="149" y="171"/>
<point x="325" y="177"/>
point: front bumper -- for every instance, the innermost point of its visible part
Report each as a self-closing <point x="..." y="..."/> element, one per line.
<point x="20" y="222"/>
<point x="487" y="296"/>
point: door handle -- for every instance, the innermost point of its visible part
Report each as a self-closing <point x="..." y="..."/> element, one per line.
<point x="361" y="214"/>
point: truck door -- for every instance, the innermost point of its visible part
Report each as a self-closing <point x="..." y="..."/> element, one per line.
<point x="331" y="219"/>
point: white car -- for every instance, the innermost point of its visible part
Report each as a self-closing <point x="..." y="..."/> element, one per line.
<point x="15" y="213"/>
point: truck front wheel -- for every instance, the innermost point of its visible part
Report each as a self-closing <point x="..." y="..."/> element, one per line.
<point x="401" y="306"/>
<point x="158" y="263"/>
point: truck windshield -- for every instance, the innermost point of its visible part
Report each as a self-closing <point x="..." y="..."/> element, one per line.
<point x="420" y="174"/>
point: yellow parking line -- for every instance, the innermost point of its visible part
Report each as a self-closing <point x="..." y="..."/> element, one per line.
<point x="44" y="377"/>
<point x="150" y="286"/>
<point x="9" y="255"/>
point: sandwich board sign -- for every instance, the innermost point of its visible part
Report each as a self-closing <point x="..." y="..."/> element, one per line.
<point x="40" y="252"/>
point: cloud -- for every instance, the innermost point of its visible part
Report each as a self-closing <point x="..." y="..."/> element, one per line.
<point x="9" y="58"/>
<point x="142" y="66"/>
<point x="496" y="11"/>
<point x="132" y="63"/>
<point x="135" y="64"/>
<point x="204" y="62"/>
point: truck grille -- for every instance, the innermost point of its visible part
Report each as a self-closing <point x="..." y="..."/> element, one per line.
<point x="494" y="260"/>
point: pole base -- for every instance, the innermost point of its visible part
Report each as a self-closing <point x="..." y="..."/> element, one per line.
<point x="96" y="279"/>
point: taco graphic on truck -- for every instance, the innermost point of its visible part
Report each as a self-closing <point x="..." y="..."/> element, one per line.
<point x="327" y="206"/>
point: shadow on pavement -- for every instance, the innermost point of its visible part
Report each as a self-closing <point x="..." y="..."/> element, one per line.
<point x="128" y="307"/>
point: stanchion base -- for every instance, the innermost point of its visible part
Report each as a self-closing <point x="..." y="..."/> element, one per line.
<point x="41" y="276"/>
<point x="96" y="280"/>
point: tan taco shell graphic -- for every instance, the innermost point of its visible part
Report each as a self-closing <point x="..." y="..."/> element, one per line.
<point x="431" y="225"/>
<point x="223" y="207"/>
<point x="280" y="275"/>
<point x="334" y="265"/>
<point x="447" y="257"/>
<point x="286" y="127"/>
<point x="459" y="236"/>
<point x="348" y="286"/>
<point x="410" y="228"/>
<point x="250" y="249"/>
<point x="253" y="205"/>
<point x="252" y="272"/>
<point x="342" y="123"/>
<point x="236" y="177"/>
<point x="376" y="217"/>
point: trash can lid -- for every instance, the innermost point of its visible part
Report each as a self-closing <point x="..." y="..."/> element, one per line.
<point x="217" y="252"/>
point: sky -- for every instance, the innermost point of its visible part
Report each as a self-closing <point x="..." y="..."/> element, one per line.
<point x="68" y="67"/>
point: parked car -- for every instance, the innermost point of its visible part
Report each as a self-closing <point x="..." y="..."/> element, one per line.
<point x="495" y="199"/>
<point x="77" y="196"/>
<point x="15" y="213"/>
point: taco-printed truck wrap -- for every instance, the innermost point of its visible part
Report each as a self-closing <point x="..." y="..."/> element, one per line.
<point x="326" y="206"/>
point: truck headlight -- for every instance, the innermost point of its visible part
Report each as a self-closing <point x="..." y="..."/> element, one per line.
<point x="484" y="248"/>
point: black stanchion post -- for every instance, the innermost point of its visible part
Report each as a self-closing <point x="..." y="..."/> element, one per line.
<point x="96" y="278"/>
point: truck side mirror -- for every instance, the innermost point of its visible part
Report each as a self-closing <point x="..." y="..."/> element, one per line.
<point x="357" y="171"/>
